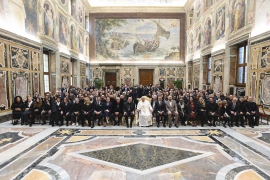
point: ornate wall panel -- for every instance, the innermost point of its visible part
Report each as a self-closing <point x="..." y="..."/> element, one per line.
<point x="254" y="57"/>
<point x="217" y="72"/>
<point x="253" y="86"/>
<point x="52" y="63"/>
<point x="20" y="84"/>
<point x="3" y="55"/>
<point x="265" y="88"/>
<point x="35" y="61"/>
<point x="205" y="70"/>
<point x="53" y="84"/>
<point x="19" y="58"/>
<point x="36" y="82"/>
<point x="265" y="57"/>
<point x="4" y="88"/>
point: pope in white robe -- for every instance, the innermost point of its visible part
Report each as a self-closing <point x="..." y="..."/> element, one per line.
<point x="145" y="112"/>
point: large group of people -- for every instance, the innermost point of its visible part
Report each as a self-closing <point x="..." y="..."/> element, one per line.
<point x="108" y="105"/>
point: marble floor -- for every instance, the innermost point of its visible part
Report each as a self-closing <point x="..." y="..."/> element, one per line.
<point x="118" y="153"/>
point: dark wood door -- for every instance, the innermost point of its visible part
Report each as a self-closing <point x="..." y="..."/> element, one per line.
<point x="146" y="76"/>
<point x="110" y="79"/>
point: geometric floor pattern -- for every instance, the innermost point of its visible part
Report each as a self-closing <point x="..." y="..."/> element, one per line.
<point x="44" y="152"/>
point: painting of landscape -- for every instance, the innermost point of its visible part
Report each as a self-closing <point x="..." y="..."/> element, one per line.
<point x="137" y="39"/>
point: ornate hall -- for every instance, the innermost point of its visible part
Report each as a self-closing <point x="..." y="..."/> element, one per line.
<point x="134" y="90"/>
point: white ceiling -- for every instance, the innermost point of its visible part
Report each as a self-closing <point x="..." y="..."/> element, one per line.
<point x="143" y="3"/>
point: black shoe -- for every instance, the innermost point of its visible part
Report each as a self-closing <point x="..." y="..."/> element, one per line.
<point x="202" y="125"/>
<point x="214" y="125"/>
<point x="158" y="125"/>
<point x="224" y="125"/>
<point x="92" y="127"/>
<point x="170" y="126"/>
<point x="164" y="125"/>
<point x="30" y="125"/>
<point x="176" y="125"/>
<point x="243" y="126"/>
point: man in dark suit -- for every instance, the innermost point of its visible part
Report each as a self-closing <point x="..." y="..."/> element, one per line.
<point x="28" y="109"/>
<point x="241" y="111"/>
<point x="212" y="111"/>
<point x="171" y="107"/>
<point x="161" y="111"/>
<point x="233" y="107"/>
<point x="98" y="112"/>
<point x="117" y="111"/>
<point x="252" y="112"/>
<point x="129" y="110"/>
<point x="140" y="91"/>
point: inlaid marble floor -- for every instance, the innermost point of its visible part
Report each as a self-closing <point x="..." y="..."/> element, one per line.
<point x="117" y="153"/>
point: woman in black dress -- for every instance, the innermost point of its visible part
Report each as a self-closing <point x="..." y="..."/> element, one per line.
<point x="202" y="111"/>
<point x="107" y="111"/>
<point x="17" y="109"/>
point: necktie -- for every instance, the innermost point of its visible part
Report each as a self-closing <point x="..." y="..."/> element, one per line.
<point x="233" y="106"/>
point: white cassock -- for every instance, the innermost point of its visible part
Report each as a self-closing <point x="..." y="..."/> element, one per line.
<point x="145" y="114"/>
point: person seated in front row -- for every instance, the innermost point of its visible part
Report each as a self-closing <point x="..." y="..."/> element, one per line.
<point x="28" y="109"/>
<point x="87" y="111"/>
<point x="129" y="110"/>
<point x="171" y="107"/>
<point x="202" y="111"/>
<point x="252" y="113"/>
<point x="59" y="112"/>
<point x="17" y="109"/>
<point x="117" y="111"/>
<point x="225" y="113"/>
<point x="161" y="111"/>
<point x="212" y="111"/>
<point x="37" y="108"/>
<point x="76" y="112"/>
<point x="233" y="106"/>
<point x="98" y="112"/>
<point x="46" y="109"/>
<point x="182" y="111"/>
<point x="241" y="110"/>
<point x="107" y="111"/>
<point x="66" y="110"/>
<point x="192" y="110"/>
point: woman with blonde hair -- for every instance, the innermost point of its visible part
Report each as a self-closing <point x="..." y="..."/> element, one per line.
<point x="202" y="111"/>
<point x="87" y="111"/>
<point x="225" y="113"/>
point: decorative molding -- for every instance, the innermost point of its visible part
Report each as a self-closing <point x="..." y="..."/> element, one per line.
<point x="221" y="51"/>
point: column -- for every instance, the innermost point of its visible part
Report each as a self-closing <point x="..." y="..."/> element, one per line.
<point x="226" y="74"/>
<point x="87" y="73"/>
<point x="58" y="69"/>
<point x="201" y="74"/>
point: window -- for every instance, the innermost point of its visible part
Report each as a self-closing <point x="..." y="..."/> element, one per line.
<point x="209" y="74"/>
<point x="46" y="72"/>
<point x="242" y="59"/>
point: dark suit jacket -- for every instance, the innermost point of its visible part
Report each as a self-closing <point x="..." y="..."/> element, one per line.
<point x="252" y="107"/>
<point x="99" y="108"/>
<point x="131" y="105"/>
<point x="161" y="107"/>
<point x="212" y="107"/>
<point x="31" y="106"/>
<point x="66" y="108"/>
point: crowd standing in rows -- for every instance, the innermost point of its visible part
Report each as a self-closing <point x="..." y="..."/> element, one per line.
<point x="170" y="107"/>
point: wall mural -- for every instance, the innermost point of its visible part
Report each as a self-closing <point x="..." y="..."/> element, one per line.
<point x="265" y="60"/>
<point x="73" y="8"/>
<point x="63" y="35"/>
<point x="190" y="44"/>
<point x="198" y="8"/>
<point x="250" y="11"/>
<point x="162" y="72"/>
<point x="64" y="3"/>
<point x="198" y="38"/>
<point x="73" y="38"/>
<point x="255" y="52"/>
<point x="137" y="39"/>
<point x="237" y="12"/>
<point x="220" y="23"/>
<point x="232" y="70"/>
<point x="170" y="71"/>
<point x="31" y="20"/>
<point x="87" y="46"/>
<point x="80" y="14"/>
<point x="3" y="55"/>
<point x="208" y="32"/>
<point x="81" y="44"/>
<point x="262" y="17"/>
<point x="19" y="58"/>
<point x="48" y="20"/>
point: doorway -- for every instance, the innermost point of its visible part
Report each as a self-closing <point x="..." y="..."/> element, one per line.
<point x="110" y="79"/>
<point x="146" y="76"/>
